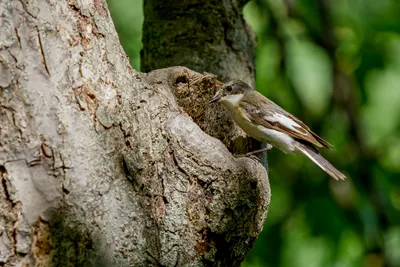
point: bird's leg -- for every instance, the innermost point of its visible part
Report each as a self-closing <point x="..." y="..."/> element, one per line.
<point x="268" y="147"/>
<point x="252" y="153"/>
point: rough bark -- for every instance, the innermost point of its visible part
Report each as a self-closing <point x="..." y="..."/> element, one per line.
<point x="99" y="165"/>
<point x="202" y="35"/>
<point x="206" y="36"/>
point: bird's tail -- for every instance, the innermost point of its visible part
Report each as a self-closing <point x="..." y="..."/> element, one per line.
<point x="317" y="158"/>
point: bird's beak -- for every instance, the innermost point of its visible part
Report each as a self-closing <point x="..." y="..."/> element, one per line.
<point x="215" y="99"/>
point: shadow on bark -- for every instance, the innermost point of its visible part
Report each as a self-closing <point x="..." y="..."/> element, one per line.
<point x="57" y="243"/>
<point x="234" y="240"/>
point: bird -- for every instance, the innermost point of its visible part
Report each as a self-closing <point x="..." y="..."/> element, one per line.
<point x="268" y="123"/>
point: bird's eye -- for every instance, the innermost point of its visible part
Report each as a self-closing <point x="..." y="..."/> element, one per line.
<point x="229" y="88"/>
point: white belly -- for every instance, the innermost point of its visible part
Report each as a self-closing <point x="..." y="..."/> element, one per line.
<point x="278" y="139"/>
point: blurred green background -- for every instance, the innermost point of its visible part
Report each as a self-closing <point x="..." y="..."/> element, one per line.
<point x="335" y="65"/>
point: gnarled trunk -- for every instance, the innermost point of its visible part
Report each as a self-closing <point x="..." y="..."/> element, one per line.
<point x="99" y="166"/>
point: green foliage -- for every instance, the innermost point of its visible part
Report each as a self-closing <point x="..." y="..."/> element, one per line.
<point x="314" y="221"/>
<point x="336" y="66"/>
<point x="128" y="20"/>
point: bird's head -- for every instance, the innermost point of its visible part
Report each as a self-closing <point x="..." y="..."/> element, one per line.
<point x="232" y="92"/>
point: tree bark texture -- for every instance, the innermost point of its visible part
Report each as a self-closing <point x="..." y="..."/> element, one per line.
<point x="202" y="35"/>
<point x="209" y="36"/>
<point x="99" y="165"/>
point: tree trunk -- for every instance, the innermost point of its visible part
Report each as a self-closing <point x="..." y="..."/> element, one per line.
<point x="209" y="36"/>
<point x="202" y="35"/>
<point x="99" y="166"/>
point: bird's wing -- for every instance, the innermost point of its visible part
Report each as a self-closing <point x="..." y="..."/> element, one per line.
<point x="274" y="117"/>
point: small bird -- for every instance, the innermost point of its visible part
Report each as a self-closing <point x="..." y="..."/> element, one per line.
<point x="265" y="121"/>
